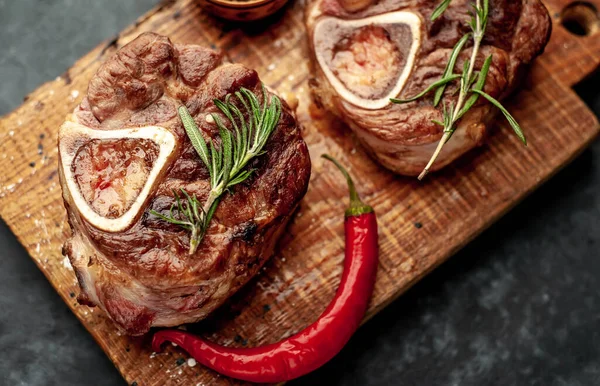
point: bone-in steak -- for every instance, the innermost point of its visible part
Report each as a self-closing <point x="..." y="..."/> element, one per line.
<point x="365" y="52"/>
<point x="124" y="152"/>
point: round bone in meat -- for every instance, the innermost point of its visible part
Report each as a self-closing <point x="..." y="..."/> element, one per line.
<point x="330" y="31"/>
<point x="71" y="136"/>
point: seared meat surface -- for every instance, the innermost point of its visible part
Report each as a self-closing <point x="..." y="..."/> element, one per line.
<point x="365" y="52"/>
<point x="124" y="152"/>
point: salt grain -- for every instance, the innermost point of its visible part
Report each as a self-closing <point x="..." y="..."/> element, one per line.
<point x="67" y="263"/>
<point x="11" y="133"/>
<point x="74" y="94"/>
<point x="174" y="344"/>
<point x="209" y="118"/>
<point x="191" y="362"/>
<point x="271" y="67"/>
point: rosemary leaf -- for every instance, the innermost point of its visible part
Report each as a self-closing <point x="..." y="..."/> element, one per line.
<point x="194" y="135"/>
<point x="227" y="150"/>
<point x="512" y="121"/>
<point x="215" y="163"/>
<point x="241" y="177"/>
<point x="450" y="67"/>
<point x="473" y="80"/>
<point x="465" y="79"/>
<point x="440" y="9"/>
<point x="485" y="13"/>
<point x="449" y="127"/>
<point x="432" y="86"/>
<point x="481" y="78"/>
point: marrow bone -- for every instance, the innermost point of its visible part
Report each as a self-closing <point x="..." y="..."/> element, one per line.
<point x="73" y="136"/>
<point x="329" y="32"/>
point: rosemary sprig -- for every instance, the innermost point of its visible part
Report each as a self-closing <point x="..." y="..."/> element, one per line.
<point x="226" y="164"/>
<point x="190" y="216"/>
<point x="471" y="83"/>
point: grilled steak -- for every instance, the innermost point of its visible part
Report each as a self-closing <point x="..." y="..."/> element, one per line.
<point x="365" y="52"/>
<point x="124" y="152"/>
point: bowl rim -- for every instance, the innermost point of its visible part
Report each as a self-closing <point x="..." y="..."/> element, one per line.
<point x="241" y="4"/>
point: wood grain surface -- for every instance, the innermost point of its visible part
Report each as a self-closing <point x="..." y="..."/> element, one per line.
<point x="421" y="224"/>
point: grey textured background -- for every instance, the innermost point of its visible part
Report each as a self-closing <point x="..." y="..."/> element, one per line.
<point x="518" y="306"/>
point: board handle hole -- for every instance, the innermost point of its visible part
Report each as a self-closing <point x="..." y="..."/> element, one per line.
<point x="580" y="18"/>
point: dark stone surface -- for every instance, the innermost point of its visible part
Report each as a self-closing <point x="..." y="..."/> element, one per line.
<point x="519" y="305"/>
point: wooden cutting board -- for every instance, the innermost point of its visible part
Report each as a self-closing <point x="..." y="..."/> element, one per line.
<point x="421" y="224"/>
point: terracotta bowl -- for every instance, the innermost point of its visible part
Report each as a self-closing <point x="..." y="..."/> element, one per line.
<point x="242" y="10"/>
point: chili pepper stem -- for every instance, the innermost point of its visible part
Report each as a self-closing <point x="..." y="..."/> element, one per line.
<point x="357" y="207"/>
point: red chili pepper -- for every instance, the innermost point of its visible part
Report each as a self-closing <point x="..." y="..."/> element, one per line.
<point x="314" y="346"/>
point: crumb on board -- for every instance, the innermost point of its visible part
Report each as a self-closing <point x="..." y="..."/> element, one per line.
<point x="67" y="263"/>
